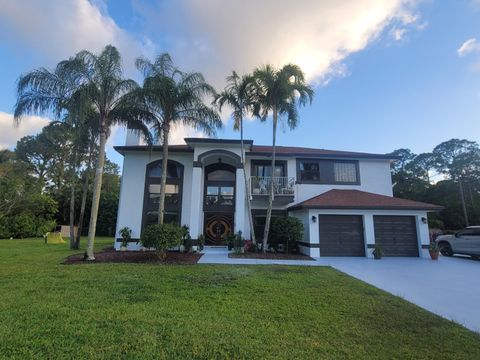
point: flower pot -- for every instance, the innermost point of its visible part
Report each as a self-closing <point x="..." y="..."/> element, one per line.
<point x="433" y="254"/>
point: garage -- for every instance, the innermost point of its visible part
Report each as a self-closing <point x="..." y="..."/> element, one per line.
<point x="341" y="235"/>
<point x="396" y="235"/>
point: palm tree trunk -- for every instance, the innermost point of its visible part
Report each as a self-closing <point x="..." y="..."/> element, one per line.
<point x="97" y="189"/>
<point x="84" y="201"/>
<point x="72" y="200"/>
<point x="163" y="181"/>
<point x="247" y="189"/>
<point x="462" y="200"/>
<point x="270" y="193"/>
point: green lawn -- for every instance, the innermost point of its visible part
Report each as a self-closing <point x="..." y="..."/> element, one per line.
<point x="48" y="310"/>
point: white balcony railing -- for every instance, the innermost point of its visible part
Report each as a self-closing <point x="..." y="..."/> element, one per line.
<point x="260" y="185"/>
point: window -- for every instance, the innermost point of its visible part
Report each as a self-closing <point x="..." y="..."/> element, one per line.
<point x="469" y="232"/>
<point x="313" y="171"/>
<point x="259" y="219"/>
<point x="264" y="169"/>
<point x="173" y="189"/>
<point x="221" y="175"/>
<point x="173" y="171"/>
<point x="309" y="171"/>
<point x="219" y="195"/>
<point x="171" y="193"/>
<point x="345" y="172"/>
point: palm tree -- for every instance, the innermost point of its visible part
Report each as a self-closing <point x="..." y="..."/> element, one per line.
<point x="41" y="91"/>
<point x="90" y="79"/>
<point x="175" y="97"/>
<point x="113" y="99"/>
<point x="238" y="94"/>
<point x="279" y="91"/>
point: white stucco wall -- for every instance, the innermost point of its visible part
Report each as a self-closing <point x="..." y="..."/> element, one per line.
<point x="303" y="216"/>
<point x="369" y="232"/>
<point x="374" y="177"/>
<point x="132" y="190"/>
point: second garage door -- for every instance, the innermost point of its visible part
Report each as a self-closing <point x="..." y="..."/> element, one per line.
<point x="341" y="235"/>
<point x="396" y="235"/>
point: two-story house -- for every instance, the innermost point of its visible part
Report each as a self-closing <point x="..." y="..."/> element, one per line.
<point x="344" y="199"/>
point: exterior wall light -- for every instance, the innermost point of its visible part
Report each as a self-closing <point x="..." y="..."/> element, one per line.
<point x="314" y="219"/>
<point x="424" y="220"/>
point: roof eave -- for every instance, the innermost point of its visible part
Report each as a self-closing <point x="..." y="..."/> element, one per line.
<point x="407" y="208"/>
<point x="323" y="156"/>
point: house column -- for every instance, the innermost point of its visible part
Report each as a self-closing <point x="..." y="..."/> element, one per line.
<point x="423" y="235"/>
<point x="196" y="201"/>
<point x="369" y="229"/>
<point x="313" y="233"/>
<point x="239" y="218"/>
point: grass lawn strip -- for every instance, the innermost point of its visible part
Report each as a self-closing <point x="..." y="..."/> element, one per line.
<point x="112" y="310"/>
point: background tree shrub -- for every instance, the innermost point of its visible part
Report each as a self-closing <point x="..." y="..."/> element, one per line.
<point x="286" y="231"/>
<point x="161" y="237"/>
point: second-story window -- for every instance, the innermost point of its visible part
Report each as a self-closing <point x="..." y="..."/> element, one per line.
<point x="326" y="171"/>
<point x="345" y="172"/>
<point x="309" y="171"/>
<point x="264" y="169"/>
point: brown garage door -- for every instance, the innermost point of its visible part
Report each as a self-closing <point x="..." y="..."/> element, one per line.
<point x="341" y="235"/>
<point x="397" y="235"/>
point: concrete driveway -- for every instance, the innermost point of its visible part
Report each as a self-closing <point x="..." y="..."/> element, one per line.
<point x="449" y="287"/>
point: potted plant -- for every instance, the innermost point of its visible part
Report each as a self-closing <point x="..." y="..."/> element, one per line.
<point x="126" y="234"/>
<point x="377" y="252"/>
<point x="434" y="250"/>
<point x="200" y="242"/>
<point x="186" y="245"/>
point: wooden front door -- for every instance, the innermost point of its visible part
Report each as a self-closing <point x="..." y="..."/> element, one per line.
<point x="217" y="227"/>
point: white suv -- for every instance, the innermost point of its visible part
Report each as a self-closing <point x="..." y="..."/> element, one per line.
<point x="465" y="242"/>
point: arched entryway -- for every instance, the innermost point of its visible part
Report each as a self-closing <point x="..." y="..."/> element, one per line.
<point x="219" y="202"/>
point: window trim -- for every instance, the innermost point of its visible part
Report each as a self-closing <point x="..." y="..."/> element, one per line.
<point x="157" y="181"/>
<point x="325" y="182"/>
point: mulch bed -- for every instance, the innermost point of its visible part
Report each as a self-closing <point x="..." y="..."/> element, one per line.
<point x="270" y="256"/>
<point x="109" y="255"/>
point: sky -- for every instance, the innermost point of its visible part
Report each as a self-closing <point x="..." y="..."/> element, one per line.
<point x="387" y="74"/>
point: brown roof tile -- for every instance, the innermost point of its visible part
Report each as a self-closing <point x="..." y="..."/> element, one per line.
<point x="355" y="199"/>
<point x="303" y="151"/>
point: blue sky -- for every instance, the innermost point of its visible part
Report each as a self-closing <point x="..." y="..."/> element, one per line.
<point x="387" y="74"/>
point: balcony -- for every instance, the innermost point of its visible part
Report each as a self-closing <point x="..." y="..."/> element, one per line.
<point x="283" y="188"/>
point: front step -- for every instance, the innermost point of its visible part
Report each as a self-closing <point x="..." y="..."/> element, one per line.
<point x="215" y="249"/>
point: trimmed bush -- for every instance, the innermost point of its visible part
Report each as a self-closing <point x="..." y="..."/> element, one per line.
<point x="161" y="237"/>
<point x="186" y="238"/>
<point x="285" y="231"/>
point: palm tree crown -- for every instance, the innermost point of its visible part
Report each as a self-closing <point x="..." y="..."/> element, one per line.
<point x="281" y="91"/>
<point x="175" y="97"/>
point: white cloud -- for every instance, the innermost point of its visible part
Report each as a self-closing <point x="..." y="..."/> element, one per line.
<point x="10" y="134"/>
<point x="180" y="131"/>
<point x="469" y="46"/>
<point x="215" y="36"/>
<point x="58" y="29"/>
<point x="398" y="33"/>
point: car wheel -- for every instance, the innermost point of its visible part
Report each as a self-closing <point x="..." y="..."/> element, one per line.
<point x="446" y="249"/>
